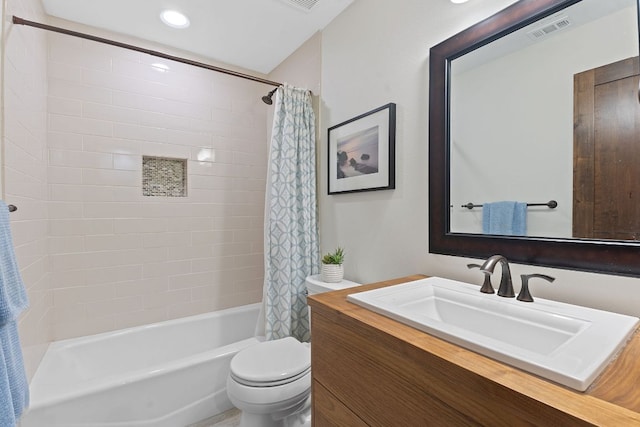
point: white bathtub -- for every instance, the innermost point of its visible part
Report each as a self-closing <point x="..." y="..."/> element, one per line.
<point x="170" y="374"/>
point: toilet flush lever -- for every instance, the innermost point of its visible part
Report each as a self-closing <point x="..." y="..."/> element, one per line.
<point x="487" y="287"/>
<point x="524" y="294"/>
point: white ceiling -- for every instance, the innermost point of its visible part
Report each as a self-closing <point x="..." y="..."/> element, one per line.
<point x="253" y="34"/>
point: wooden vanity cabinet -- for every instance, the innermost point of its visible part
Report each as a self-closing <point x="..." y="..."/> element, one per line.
<point x="369" y="370"/>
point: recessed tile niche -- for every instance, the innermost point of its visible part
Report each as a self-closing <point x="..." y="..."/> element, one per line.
<point x="164" y="177"/>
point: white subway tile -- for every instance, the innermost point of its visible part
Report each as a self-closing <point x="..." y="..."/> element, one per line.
<point x="190" y="252"/>
<point x="110" y="145"/>
<point x="154" y="240"/>
<point x="112" y="210"/>
<point x="107" y="177"/>
<point x="111" y="258"/>
<point x="69" y="278"/>
<point x="233" y="223"/>
<point x="66" y="244"/>
<point x="128" y="162"/>
<point x="163" y="269"/>
<point x="163" y="120"/>
<point x="143" y="133"/>
<point x="76" y="90"/>
<point x="66" y="297"/>
<point x="109" y="113"/>
<point x="79" y="125"/>
<point x="69" y="313"/>
<point x="114" y="242"/>
<point x="164" y="150"/>
<point x="180" y="224"/>
<point x="141" y="287"/>
<point x="181" y="137"/>
<point x="115" y="306"/>
<point x="212" y="264"/>
<point x="154" y="255"/>
<point x="165" y="299"/>
<point x="202" y="224"/>
<point x="114" y="275"/>
<point x="140" y="225"/>
<point x="136" y="101"/>
<point x="62" y="71"/>
<point x="249" y="184"/>
<point x="16" y="159"/>
<point x="206" y="292"/>
<point x="64" y="141"/>
<point x="58" y="175"/>
<point x="72" y="227"/>
<point x="80" y="193"/>
<point x="228" y="249"/>
<point x="102" y="79"/>
<point x="186" y="281"/>
<point x="128" y="194"/>
<point x="62" y="51"/>
<point x="249" y="260"/>
<point x="64" y="106"/>
<point x="212" y="237"/>
<point x="80" y="159"/>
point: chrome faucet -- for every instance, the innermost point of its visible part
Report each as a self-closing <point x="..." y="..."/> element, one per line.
<point x="506" y="285"/>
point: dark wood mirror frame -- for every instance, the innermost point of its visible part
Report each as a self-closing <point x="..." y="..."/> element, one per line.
<point x="604" y="256"/>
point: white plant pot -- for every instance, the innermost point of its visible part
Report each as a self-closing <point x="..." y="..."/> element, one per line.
<point x="331" y="273"/>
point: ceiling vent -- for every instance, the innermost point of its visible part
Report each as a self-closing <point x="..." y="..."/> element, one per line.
<point x="305" y="5"/>
<point x="549" y="28"/>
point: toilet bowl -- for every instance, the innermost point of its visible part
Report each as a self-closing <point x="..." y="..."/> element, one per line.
<point x="270" y="382"/>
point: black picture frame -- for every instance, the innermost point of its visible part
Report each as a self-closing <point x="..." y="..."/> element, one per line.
<point x="362" y="152"/>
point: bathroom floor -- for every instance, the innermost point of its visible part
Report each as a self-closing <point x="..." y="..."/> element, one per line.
<point x="231" y="418"/>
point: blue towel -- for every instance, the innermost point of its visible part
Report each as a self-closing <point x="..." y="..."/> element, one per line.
<point x="13" y="296"/>
<point x="504" y="218"/>
<point x="14" y="389"/>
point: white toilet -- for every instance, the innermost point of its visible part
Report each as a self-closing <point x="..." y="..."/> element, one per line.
<point x="270" y="382"/>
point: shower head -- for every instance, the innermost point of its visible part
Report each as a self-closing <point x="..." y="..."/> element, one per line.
<point x="267" y="98"/>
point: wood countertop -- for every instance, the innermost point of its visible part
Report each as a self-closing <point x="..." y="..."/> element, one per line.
<point x="612" y="400"/>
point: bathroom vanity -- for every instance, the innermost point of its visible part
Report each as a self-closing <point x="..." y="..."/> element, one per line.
<point x="370" y="370"/>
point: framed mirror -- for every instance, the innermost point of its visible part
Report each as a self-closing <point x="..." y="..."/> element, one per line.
<point x="515" y="110"/>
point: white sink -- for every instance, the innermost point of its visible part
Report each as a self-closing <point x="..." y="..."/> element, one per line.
<point x="565" y="343"/>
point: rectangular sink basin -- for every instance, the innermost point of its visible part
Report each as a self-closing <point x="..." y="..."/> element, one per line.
<point x="565" y="343"/>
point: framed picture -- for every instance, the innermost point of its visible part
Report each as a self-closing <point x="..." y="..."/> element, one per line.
<point x="362" y="152"/>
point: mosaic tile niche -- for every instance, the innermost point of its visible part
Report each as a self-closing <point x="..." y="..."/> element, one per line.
<point x="164" y="177"/>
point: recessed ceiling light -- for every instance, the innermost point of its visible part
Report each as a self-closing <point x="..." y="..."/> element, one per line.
<point x="174" y="19"/>
<point x="459" y="1"/>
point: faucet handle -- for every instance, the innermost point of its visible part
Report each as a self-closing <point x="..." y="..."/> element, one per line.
<point x="524" y="294"/>
<point x="487" y="287"/>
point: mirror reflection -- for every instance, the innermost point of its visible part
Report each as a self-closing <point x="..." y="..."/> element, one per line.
<point x="550" y="112"/>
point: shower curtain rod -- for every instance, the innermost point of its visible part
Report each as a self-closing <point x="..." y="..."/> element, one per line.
<point x="20" y="21"/>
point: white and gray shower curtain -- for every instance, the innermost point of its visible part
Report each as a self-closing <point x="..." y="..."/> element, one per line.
<point x="291" y="231"/>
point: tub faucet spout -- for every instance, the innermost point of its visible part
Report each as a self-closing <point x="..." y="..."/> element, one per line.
<point x="506" y="285"/>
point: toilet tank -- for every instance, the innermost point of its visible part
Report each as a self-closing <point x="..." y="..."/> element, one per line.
<point x="317" y="286"/>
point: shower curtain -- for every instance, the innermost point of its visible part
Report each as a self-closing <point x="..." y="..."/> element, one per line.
<point x="291" y="232"/>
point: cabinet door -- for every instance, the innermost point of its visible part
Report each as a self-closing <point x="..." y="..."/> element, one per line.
<point x="330" y="412"/>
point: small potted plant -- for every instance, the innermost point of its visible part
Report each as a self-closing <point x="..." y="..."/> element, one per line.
<point x="332" y="270"/>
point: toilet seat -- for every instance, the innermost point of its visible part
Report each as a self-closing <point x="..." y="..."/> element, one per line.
<point x="271" y="363"/>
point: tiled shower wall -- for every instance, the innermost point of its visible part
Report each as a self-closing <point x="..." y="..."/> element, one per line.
<point x="119" y="258"/>
<point x="25" y="169"/>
